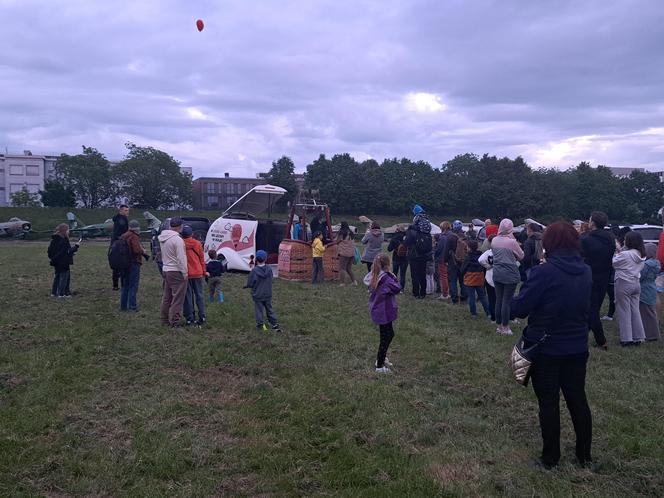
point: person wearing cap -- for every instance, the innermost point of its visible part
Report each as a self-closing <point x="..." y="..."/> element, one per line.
<point x="195" y="276"/>
<point x="420" y="250"/>
<point x="174" y="257"/>
<point x="260" y="283"/>
<point x="131" y="276"/>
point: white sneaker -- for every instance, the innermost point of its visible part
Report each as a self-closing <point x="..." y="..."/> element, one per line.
<point x="383" y="370"/>
<point x="499" y="331"/>
<point x="387" y="363"/>
<point x="607" y="318"/>
<point x="508" y="332"/>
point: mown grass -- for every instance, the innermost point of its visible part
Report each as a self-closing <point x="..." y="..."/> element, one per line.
<point x="98" y="403"/>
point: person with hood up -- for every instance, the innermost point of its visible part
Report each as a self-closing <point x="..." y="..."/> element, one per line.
<point x="383" y="308"/>
<point x="454" y="279"/>
<point x="132" y="276"/>
<point x="420" y="250"/>
<point x="648" y="296"/>
<point x="532" y="248"/>
<point x="556" y="300"/>
<point x="120" y="226"/>
<point x="174" y="257"/>
<point x="260" y="283"/>
<point x="597" y="248"/>
<point x="196" y="274"/>
<point x="628" y="264"/>
<point x="373" y="239"/>
<point x="61" y="256"/>
<point x="506" y="251"/>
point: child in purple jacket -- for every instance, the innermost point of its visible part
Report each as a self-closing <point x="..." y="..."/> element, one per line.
<point x="383" y="288"/>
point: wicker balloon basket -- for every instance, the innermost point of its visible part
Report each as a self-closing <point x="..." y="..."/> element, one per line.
<point x="296" y="262"/>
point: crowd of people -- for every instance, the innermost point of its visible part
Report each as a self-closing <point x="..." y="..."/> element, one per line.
<point x="557" y="278"/>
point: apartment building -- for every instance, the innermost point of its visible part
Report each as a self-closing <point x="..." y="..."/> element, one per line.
<point x="219" y="193"/>
<point x="23" y="170"/>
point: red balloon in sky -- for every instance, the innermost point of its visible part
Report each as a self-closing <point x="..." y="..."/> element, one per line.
<point x="200" y="25"/>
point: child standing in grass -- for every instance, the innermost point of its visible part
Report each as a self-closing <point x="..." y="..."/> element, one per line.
<point x="61" y="256"/>
<point x="317" y="250"/>
<point x="383" y="288"/>
<point x="472" y="272"/>
<point x="260" y="283"/>
<point x="215" y="268"/>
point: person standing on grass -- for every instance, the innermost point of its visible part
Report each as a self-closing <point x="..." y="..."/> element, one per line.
<point x="383" y="308"/>
<point x="120" y="226"/>
<point x="628" y="264"/>
<point x="420" y="250"/>
<point x="132" y="275"/>
<point x="648" y="296"/>
<point x="317" y="251"/>
<point x="61" y="256"/>
<point x="195" y="276"/>
<point x="455" y="253"/>
<point x="174" y="258"/>
<point x="597" y="247"/>
<point x="346" y="253"/>
<point x="486" y="260"/>
<point x="556" y="300"/>
<point x="439" y="258"/>
<point x="472" y="273"/>
<point x="506" y="276"/>
<point x="260" y="283"/>
<point x="397" y="247"/>
<point x="373" y="239"/>
<point x="214" y="268"/>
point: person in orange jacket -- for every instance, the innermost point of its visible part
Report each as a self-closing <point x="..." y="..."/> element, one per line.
<point x="196" y="274"/>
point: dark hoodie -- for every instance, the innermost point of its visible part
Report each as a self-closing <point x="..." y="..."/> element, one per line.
<point x="61" y="252"/>
<point x="120" y="226"/>
<point x="529" y="250"/>
<point x="556" y="300"/>
<point x="597" y="248"/>
<point x="260" y="283"/>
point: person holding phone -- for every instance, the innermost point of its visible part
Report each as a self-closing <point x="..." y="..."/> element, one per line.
<point x="61" y="256"/>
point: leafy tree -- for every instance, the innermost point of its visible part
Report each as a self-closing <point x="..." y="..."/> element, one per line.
<point x="87" y="176"/>
<point x="55" y="194"/>
<point x="23" y="198"/>
<point x="282" y="174"/>
<point x="152" y="179"/>
<point x="645" y="193"/>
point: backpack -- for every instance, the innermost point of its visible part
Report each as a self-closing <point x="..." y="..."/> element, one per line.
<point x="402" y="250"/>
<point x="423" y="243"/>
<point x="119" y="255"/>
<point x="461" y="250"/>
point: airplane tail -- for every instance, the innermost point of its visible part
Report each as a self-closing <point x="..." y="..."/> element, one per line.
<point x="72" y="221"/>
<point x="153" y="222"/>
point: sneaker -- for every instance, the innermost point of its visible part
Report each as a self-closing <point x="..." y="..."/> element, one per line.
<point x="383" y="370"/>
<point x="189" y="323"/>
<point x="508" y="331"/>
<point x="264" y="327"/>
<point x="386" y="363"/>
<point x="116" y="288"/>
<point x="276" y="328"/>
<point x="607" y="318"/>
<point x="499" y="330"/>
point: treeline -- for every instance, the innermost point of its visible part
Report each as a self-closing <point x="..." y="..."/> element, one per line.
<point x="146" y="178"/>
<point x="486" y="186"/>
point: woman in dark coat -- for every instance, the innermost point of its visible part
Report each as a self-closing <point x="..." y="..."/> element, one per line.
<point x="61" y="256"/>
<point x="556" y="300"/>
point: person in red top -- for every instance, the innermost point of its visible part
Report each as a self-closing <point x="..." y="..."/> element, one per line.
<point x="131" y="277"/>
<point x="195" y="273"/>
<point x="489" y="228"/>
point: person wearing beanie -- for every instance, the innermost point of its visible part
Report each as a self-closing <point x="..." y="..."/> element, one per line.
<point x="130" y="278"/>
<point x="195" y="276"/>
<point x="419" y="251"/>
<point x="260" y="283"/>
<point x="174" y="258"/>
<point x="506" y="252"/>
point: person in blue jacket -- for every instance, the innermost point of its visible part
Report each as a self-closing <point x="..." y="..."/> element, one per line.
<point x="556" y="300"/>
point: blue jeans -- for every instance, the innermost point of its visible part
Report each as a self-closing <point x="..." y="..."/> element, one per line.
<point x="129" y="290"/>
<point x="399" y="268"/>
<point x="266" y="305"/>
<point x="194" y="295"/>
<point x="454" y="278"/>
<point x="61" y="282"/>
<point x="483" y="299"/>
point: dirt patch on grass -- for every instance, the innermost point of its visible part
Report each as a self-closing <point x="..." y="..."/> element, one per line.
<point x="11" y="380"/>
<point x="457" y="474"/>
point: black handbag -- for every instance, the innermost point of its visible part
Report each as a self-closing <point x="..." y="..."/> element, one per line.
<point x="522" y="357"/>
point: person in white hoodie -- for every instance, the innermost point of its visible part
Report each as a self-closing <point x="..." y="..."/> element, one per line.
<point x="174" y="258"/>
<point x="628" y="264"/>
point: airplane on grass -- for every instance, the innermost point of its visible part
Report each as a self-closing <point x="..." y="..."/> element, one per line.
<point x="15" y="227"/>
<point x="105" y="229"/>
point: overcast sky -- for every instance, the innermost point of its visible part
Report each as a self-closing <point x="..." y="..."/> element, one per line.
<point x="557" y="82"/>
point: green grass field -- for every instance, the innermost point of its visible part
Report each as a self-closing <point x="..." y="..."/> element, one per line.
<point x="98" y="403"/>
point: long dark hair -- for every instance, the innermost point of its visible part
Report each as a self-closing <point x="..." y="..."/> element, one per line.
<point x="345" y="231"/>
<point x="633" y="240"/>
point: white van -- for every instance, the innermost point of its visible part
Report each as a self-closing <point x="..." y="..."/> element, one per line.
<point x="238" y="233"/>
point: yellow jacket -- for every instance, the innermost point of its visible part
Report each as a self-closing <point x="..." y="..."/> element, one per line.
<point x="317" y="248"/>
